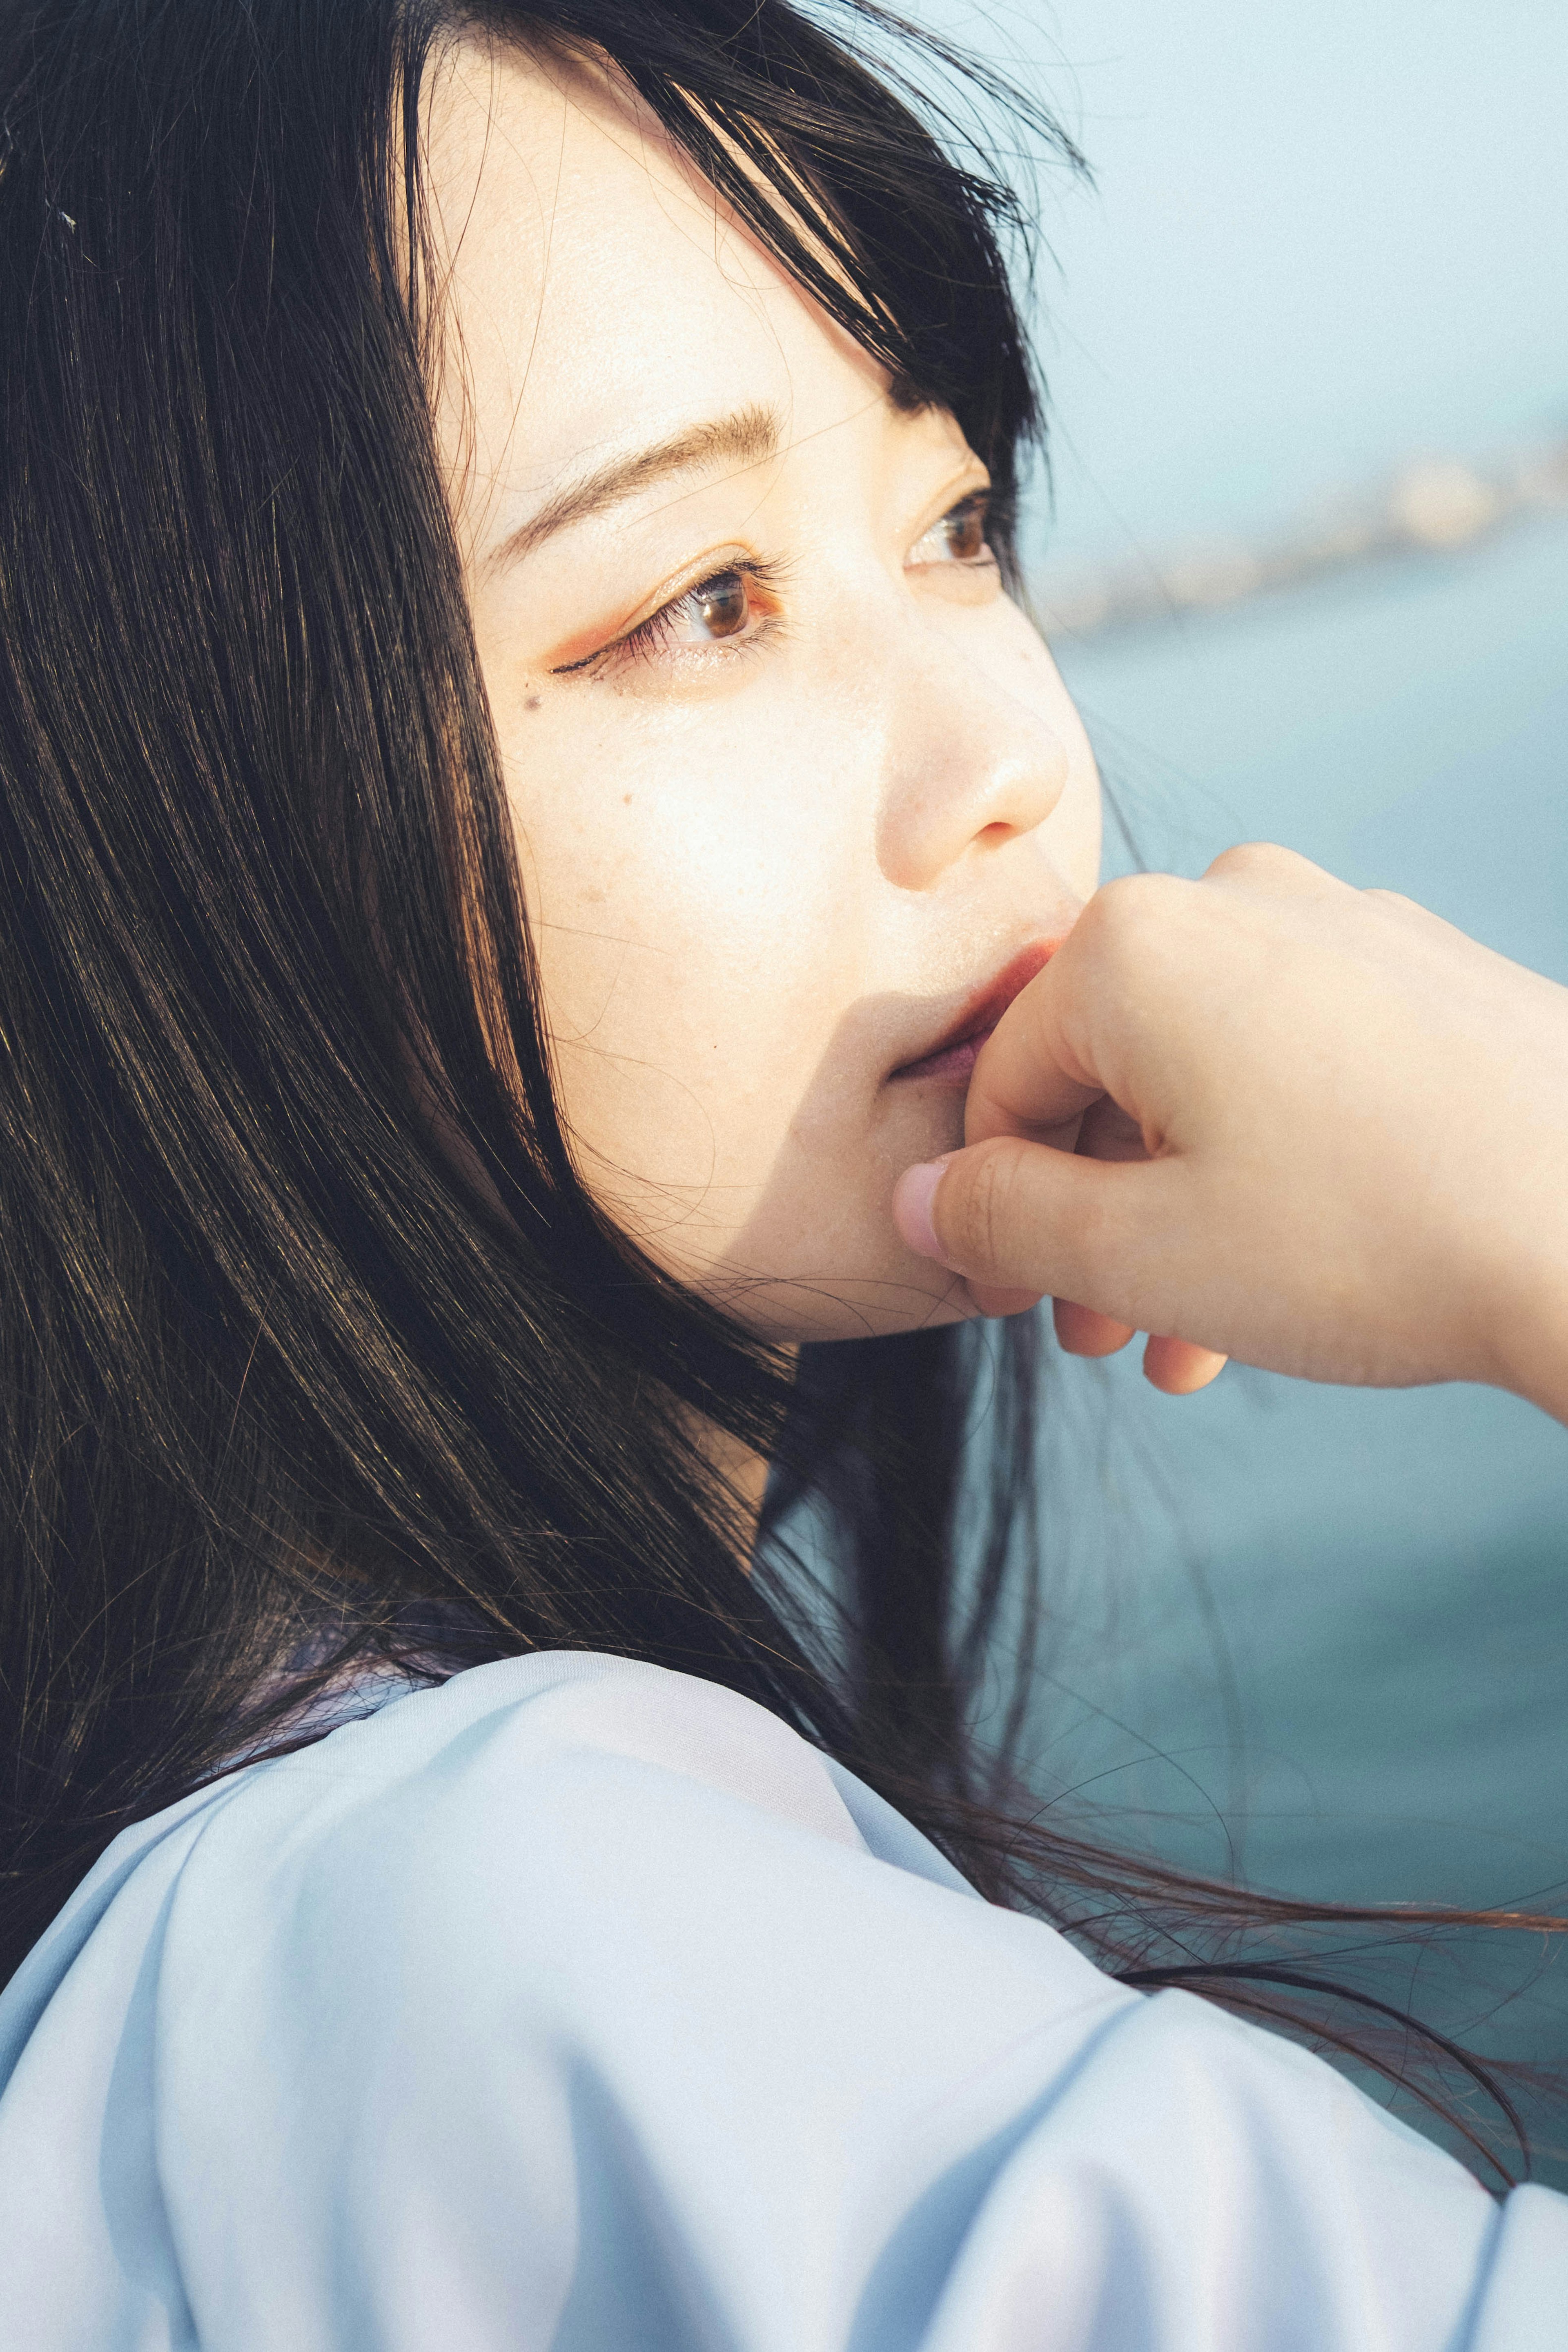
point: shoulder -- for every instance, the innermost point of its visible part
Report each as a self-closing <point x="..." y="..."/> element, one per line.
<point x="563" y="1836"/>
<point x="520" y="1801"/>
<point x="515" y="1956"/>
<point x="579" y="2005"/>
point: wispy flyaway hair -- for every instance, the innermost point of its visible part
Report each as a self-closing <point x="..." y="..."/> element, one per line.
<point x="314" y="1347"/>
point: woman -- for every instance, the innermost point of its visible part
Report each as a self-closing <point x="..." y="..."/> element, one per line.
<point x="528" y="810"/>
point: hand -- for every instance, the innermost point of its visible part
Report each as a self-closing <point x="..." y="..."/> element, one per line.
<point x="1268" y="1116"/>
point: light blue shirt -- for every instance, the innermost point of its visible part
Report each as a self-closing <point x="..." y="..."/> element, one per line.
<point x="576" y="2006"/>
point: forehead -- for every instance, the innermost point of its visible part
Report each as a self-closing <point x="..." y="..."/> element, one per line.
<point x="598" y="292"/>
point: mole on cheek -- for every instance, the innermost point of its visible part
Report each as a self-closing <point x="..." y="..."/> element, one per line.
<point x="626" y="800"/>
<point x="531" y="703"/>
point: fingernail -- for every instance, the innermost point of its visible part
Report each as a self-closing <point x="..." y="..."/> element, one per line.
<point x="913" y="1197"/>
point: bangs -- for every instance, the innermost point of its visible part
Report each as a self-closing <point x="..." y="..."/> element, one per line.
<point x="871" y="189"/>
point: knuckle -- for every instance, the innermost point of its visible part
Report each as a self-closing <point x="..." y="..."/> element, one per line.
<point x="1252" y="861"/>
<point x="982" y="1223"/>
<point x="1128" y="908"/>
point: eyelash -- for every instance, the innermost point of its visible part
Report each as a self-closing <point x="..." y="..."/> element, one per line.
<point x="649" y="637"/>
<point x="762" y="578"/>
<point x="980" y="503"/>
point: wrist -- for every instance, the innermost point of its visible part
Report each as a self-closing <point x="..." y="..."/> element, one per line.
<point x="1530" y="1336"/>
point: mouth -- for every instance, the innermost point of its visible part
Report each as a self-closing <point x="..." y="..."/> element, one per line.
<point x="951" y="1056"/>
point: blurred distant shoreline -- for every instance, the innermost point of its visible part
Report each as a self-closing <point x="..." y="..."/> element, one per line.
<point x="1434" y="506"/>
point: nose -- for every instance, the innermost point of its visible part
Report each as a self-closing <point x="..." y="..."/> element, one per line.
<point x="972" y="762"/>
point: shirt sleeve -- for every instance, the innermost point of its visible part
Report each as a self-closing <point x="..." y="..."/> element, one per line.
<point x="588" y="2010"/>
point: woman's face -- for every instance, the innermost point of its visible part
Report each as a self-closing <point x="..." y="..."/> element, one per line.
<point x="799" y="795"/>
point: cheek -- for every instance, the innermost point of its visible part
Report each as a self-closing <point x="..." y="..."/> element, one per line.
<point x="696" y="939"/>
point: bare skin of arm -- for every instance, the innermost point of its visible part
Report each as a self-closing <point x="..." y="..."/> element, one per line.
<point x="1268" y="1116"/>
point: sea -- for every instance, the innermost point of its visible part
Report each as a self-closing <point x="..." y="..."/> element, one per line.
<point x="1315" y="1637"/>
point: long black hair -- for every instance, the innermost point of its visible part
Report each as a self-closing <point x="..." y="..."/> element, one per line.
<point x="289" y="1384"/>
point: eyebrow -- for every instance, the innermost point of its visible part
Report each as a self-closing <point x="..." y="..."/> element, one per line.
<point x="748" y="436"/>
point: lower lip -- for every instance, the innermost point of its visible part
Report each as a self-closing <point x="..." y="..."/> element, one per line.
<point x="951" y="1068"/>
<point x="953" y="1065"/>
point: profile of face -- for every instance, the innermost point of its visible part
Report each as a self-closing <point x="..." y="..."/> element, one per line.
<point x="800" y="799"/>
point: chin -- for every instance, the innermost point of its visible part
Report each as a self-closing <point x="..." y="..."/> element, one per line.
<point x="803" y="1308"/>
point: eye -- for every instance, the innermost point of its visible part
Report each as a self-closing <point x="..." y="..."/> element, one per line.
<point x="730" y="608"/>
<point x="956" y="537"/>
<point x="720" y="608"/>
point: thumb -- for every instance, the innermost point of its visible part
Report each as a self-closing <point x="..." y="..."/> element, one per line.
<point x="1011" y="1215"/>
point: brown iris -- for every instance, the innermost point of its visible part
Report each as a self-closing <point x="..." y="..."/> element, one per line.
<point x="964" y="529"/>
<point x="720" y="607"/>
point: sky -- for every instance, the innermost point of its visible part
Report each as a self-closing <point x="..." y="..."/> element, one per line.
<point x="1321" y="241"/>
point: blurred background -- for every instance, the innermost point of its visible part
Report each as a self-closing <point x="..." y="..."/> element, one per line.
<point x="1307" y="575"/>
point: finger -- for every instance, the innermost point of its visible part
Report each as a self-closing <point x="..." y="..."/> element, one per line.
<point x="1178" y="1367"/>
<point x="1014" y="1215"/>
<point x="994" y="1302"/>
<point x="1026" y="1079"/>
<point x="1282" y="872"/>
<point x="1082" y="1332"/>
<point x="1106" y="1132"/>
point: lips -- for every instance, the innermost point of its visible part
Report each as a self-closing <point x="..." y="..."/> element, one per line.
<point x="953" y="1055"/>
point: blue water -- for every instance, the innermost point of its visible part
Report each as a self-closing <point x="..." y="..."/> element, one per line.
<point x="1316" y="1634"/>
<point x="1321" y="1636"/>
<point x="1407" y="728"/>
